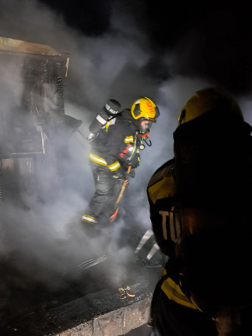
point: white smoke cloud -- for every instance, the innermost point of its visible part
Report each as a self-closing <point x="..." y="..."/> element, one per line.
<point x="109" y="66"/>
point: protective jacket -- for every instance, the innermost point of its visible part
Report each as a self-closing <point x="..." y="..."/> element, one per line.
<point x="201" y="218"/>
<point x="117" y="144"/>
<point x="172" y="312"/>
<point x="163" y="198"/>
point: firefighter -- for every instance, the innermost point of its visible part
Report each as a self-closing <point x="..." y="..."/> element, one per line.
<point x="200" y="205"/>
<point x="115" y="145"/>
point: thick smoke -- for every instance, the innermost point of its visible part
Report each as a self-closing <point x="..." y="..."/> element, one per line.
<point x="114" y="65"/>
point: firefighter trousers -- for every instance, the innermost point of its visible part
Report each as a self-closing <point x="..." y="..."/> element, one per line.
<point x="106" y="188"/>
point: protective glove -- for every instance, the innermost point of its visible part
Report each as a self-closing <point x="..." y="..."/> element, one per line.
<point x="135" y="160"/>
<point x="120" y="174"/>
<point x="132" y="173"/>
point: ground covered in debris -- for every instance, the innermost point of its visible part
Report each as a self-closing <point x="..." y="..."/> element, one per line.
<point x="32" y="294"/>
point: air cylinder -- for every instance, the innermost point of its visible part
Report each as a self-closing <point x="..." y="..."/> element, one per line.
<point x="109" y="110"/>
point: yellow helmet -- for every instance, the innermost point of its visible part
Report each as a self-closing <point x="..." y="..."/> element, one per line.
<point x="145" y="108"/>
<point x="206" y="100"/>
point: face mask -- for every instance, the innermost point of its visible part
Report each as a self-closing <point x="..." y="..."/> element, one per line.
<point x="144" y="127"/>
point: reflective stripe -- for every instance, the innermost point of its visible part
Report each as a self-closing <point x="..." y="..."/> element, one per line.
<point x="89" y="219"/>
<point x="134" y="149"/>
<point x="101" y="120"/>
<point x="107" y="126"/>
<point x="138" y="151"/>
<point x="97" y="159"/>
<point x="129" y="139"/>
<point x="174" y="293"/>
<point x="114" y="166"/>
<point x="110" y="122"/>
<point x="161" y="189"/>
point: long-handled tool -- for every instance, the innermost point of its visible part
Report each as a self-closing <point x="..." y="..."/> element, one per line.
<point x="113" y="217"/>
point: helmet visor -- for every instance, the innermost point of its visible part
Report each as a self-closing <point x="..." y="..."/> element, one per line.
<point x="157" y="114"/>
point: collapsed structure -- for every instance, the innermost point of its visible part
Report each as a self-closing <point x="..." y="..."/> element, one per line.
<point x="37" y="126"/>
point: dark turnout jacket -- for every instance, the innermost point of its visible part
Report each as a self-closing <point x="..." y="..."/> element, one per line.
<point x="200" y="208"/>
<point x="111" y="147"/>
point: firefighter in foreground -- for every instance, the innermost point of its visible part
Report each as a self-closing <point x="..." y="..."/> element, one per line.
<point x="116" y="139"/>
<point x="200" y="206"/>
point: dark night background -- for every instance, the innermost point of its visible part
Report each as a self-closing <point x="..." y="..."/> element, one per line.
<point x="220" y="40"/>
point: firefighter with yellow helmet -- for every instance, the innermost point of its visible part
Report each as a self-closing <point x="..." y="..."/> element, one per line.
<point x="200" y="207"/>
<point x="116" y="139"/>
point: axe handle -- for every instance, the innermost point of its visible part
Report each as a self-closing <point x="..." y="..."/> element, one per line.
<point x="112" y="218"/>
<point x="123" y="187"/>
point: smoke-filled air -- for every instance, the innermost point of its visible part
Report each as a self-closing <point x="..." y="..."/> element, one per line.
<point x="43" y="244"/>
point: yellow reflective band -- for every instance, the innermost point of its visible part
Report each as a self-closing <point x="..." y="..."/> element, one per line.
<point x="88" y="219"/>
<point x="97" y="159"/>
<point x="138" y="159"/>
<point x="138" y="151"/>
<point x="107" y="125"/>
<point x="114" y="166"/>
<point x="162" y="189"/>
<point x="110" y="122"/>
<point x="174" y="293"/>
<point x="129" y="139"/>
